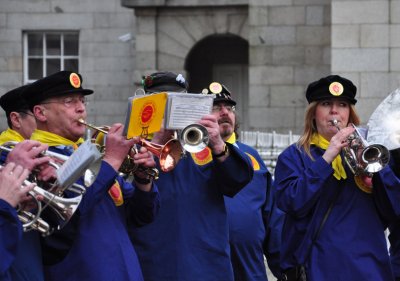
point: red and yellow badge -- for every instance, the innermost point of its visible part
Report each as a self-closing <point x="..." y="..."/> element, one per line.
<point x="75" y="80"/>
<point x="147" y="113"/>
<point x="254" y="162"/>
<point x="336" y="89"/>
<point x="364" y="183"/>
<point x="203" y="157"/>
<point x="116" y="194"/>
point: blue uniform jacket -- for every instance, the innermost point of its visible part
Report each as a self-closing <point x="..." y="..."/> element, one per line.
<point x="255" y="224"/>
<point x="352" y="243"/>
<point x="189" y="238"/>
<point x="101" y="248"/>
<point x="27" y="262"/>
<point x="10" y="236"/>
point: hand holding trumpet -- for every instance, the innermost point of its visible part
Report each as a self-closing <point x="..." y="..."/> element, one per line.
<point x="11" y="178"/>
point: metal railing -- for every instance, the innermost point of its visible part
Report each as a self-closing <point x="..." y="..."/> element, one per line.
<point x="268" y="144"/>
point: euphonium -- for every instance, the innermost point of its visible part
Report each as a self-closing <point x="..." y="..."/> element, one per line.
<point x="63" y="208"/>
<point x="361" y="157"/>
<point x="169" y="154"/>
<point x="194" y="138"/>
<point x="57" y="160"/>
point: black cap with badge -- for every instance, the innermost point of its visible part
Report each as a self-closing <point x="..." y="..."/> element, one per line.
<point x="13" y="101"/>
<point x="61" y="83"/>
<point x="222" y="94"/>
<point x="332" y="86"/>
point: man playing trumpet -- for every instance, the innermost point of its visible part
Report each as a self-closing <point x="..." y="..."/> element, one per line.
<point x="95" y="245"/>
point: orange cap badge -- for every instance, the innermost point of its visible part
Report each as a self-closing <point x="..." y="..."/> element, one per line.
<point x="215" y="88"/>
<point x="336" y="89"/>
<point x="75" y="80"/>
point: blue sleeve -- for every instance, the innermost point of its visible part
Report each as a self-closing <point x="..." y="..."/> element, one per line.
<point x="143" y="206"/>
<point x="96" y="192"/>
<point x="10" y="235"/>
<point x="299" y="181"/>
<point x="273" y="219"/>
<point x="386" y="192"/>
<point x="234" y="173"/>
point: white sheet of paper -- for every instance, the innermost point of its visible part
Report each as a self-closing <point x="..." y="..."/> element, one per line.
<point x="77" y="163"/>
<point x="184" y="109"/>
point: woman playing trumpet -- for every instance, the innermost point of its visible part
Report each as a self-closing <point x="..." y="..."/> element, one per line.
<point x="334" y="226"/>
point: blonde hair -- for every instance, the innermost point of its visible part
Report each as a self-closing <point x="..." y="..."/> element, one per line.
<point x="310" y="127"/>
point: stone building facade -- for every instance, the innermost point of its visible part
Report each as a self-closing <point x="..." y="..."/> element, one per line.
<point x="265" y="51"/>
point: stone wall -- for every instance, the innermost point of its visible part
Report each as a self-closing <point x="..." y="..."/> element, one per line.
<point x="106" y="63"/>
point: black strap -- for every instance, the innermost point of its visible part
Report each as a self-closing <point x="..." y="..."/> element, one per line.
<point x="327" y="213"/>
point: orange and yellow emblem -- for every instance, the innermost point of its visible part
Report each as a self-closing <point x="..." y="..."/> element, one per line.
<point x="147" y="114"/>
<point x="75" y="80"/>
<point x="203" y="157"/>
<point x="336" y="89"/>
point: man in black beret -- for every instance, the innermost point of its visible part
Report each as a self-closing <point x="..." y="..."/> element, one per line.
<point x="20" y="120"/>
<point x="254" y="221"/>
<point x="25" y="262"/>
<point x="95" y="244"/>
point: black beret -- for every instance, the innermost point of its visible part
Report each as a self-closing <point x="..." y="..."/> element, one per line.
<point x="164" y="81"/>
<point x="330" y="87"/>
<point x="222" y="94"/>
<point x="13" y="101"/>
<point x="57" y="84"/>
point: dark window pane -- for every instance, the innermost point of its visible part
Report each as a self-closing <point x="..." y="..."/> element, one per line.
<point x="35" y="70"/>
<point x="72" y="65"/>
<point x="53" y="43"/>
<point x="35" y="44"/>
<point x="71" y="45"/>
<point x="53" y="66"/>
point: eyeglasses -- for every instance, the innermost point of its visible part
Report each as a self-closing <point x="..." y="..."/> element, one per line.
<point x="228" y="107"/>
<point x="70" y="101"/>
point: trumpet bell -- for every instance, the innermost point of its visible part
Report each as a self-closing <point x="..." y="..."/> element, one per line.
<point x="169" y="153"/>
<point x="194" y="138"/>
<point x="375" y="157"/>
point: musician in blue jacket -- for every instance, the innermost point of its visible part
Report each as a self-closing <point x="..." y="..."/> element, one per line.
<point x="189" y="239"/>
<point x="335" y="221"/>
<point x="13" y="192"/>
<point x="254" y="221"/>
<point x="94" y="245"/>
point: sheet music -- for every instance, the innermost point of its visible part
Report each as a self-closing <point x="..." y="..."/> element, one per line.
<point x="184" y="109"/>
<point x="77" y="163"/>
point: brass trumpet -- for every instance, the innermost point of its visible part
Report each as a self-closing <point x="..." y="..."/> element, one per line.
<point x="169" y="154"/>
<point x="371" y="159"/>
<point x="194" y="138"/>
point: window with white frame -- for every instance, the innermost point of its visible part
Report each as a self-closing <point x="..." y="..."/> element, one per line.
<point x="47" y="52"/>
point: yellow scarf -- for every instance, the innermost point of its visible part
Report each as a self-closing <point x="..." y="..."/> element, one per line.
<point x="10" y="135"/>
<point x="339" y="172"/>
<point x="53" y="139"/>
<point x="232" y="139"/>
